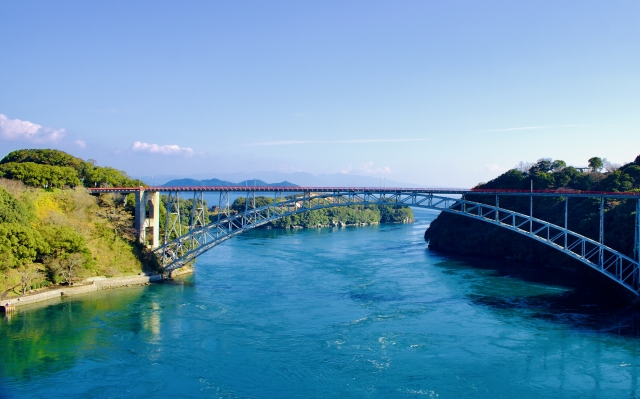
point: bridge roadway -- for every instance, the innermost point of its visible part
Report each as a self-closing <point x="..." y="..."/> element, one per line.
<point x="435" y="191"/>
<point x="204" y="233"/>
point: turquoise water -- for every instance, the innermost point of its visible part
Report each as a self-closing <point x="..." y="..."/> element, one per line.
<point x="364" y="312"/>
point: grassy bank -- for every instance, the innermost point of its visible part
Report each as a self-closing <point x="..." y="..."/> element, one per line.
<point x="58" y="236"/>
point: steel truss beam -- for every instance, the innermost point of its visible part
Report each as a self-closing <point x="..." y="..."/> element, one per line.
<point x="203" y="237"/>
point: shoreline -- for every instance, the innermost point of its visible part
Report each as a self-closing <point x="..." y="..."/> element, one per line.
<point x="188" y="269"/>
<point x="93" y="284"/>
<point x="335" y="225"/>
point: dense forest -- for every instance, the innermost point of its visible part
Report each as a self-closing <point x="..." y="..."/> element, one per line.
<point x="57" y="169"/>
<point x="462" y="235"/>
<point x="53" y="232"/>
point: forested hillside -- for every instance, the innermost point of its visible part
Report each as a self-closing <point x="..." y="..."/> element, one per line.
<point x="52" y="231"/>
<point x="57" y="169"/>
<point x="463" y="235"/>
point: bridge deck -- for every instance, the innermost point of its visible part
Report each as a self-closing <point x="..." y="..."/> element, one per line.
<point x="291" y="189"/>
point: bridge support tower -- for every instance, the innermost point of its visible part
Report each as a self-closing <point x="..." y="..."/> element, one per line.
<point x="147" y="218"/>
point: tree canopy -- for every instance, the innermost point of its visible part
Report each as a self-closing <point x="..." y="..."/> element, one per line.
<point x="44" y="157"/>
<point x="12" y="210"/>
<point x="38" y="175"/>
<point x="596" y="164"/>
<point x="53" y="168"/>
<point x="483" y="239"/>
<point x="555" y="174"/>
<point x="343" y="215"/>
<point x="50" y="234"/>
<point x="19" y="245"/>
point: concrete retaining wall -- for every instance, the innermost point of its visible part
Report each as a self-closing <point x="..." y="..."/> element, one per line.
<point x="96" y="284"/>
<point x="182" y="271"/>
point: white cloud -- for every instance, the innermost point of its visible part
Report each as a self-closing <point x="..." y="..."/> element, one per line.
<point x="19" y="130"/>
<point x="169" y="149"/>
<point x="293" y="142"/>
<point x="368" y="168"/>
<point x="81" y="144"/>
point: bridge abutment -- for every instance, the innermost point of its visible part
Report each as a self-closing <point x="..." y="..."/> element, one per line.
<point x="147" y="218"/>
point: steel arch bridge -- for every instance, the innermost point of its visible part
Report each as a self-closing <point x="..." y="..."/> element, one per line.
<point x="203" y="235"/>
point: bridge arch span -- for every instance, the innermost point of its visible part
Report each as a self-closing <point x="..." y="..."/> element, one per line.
<point x="204" y="236"/>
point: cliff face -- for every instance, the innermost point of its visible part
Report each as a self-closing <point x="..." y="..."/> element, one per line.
<point x="465" y="236"/>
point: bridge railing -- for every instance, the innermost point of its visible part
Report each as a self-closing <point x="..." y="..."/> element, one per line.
<point x="559" y="192"/>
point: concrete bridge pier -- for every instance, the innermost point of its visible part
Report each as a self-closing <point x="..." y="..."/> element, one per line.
<point x="147" y="218"/>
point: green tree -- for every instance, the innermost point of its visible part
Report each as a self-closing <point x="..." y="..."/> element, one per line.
<point x="543" y="165"/>
<point x="109" y="177"/>
<point x="583" y="218"/>
<point x="633" y="171"/>
<point x="543" y="181"/>
<point x="36" y="175"/>
<point x="62" y="241"/>
<point x="238" y="204"/>
<point x="395" y="214"/>
<point x="12" y="210"/>
<point x="19" y="245"/>
<point x="85" y="171"/>
<point x="596" y="164"/>
<point x="65" y="246"/>
<point x="43" y="157"/>
<point x="558" y="165"/>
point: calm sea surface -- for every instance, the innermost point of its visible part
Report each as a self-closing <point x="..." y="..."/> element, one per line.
<point x="364" y="312"/>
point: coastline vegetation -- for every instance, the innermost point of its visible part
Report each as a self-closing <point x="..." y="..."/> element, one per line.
<point x="336" y="216"/>
<point x="465" y="236"/>
<point x="53" y="232"/>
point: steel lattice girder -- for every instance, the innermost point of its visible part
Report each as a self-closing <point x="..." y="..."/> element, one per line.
<point x="176" y="253"/>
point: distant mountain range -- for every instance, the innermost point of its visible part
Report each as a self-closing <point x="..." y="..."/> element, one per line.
<point x="300" y="179"/>
<point x="218" y="182"/>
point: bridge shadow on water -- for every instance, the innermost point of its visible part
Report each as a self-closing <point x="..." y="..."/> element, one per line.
<point x="580" y="299"/>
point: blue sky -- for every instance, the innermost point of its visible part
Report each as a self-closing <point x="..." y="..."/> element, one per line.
<point x="427" y="92"/>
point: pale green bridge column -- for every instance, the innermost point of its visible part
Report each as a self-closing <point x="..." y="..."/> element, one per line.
<point x="147" y="218"/>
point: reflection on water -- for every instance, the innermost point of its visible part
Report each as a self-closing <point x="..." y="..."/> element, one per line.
<point x="576" y="299"/>
<point x="353" y="312"/>
<point x="152" y="322"/>
<point x="40" y="339"/>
